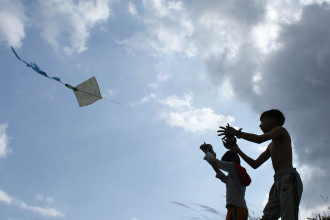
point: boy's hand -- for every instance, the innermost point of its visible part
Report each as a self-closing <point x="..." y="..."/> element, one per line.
<point x="204" y="148"/>
<point x="233" y="147"/>
<point x="227" y="131"/>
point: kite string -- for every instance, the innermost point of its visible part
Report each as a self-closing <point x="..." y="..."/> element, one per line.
<point x="112" y="101"/>
<point x="194" y="193"/>
<point x="35" y="67"/>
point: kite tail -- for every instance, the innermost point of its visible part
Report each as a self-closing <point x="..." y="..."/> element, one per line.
<point x="19" y="57"/>
<point x="35" y="67"/>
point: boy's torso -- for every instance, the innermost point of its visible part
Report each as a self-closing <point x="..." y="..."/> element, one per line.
<point x="281" y="152"/>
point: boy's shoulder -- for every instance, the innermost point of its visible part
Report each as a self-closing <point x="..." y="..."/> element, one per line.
<point x="280" y="129"/>
<point x="280" y="133"/>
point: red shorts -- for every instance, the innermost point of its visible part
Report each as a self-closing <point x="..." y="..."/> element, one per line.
<point x="236" y="213"/>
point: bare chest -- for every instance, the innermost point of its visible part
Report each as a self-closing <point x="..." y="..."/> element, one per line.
<point x="281" y="155"/>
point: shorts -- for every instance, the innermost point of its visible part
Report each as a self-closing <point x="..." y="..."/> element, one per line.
<point x="236" y="213"/>
<point x="284" y="196"/>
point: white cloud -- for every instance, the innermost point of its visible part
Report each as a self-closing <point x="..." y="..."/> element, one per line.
<point x="191" y="119"/>
<point x="132" y="9"/>
<point x="204" y="28"/>
<point x="47" y="212"/>
<point x="5" y="198"/>
<point x="4" y="140"/>
<point x="218" y="36"/>
<point x="265" y="36"/>
<point x="167" y="32"/>
<point x="64" y="24"/>
<point x="162" y="77"/>
<point x="163" y="8"/>
<point x="12" y="20"/>
<point x="49" y="200"/>
<point x="145" y="99"/>
<point x="67" y="24"/>
<point x="226" y="90"/>
<point x="178" y="103"/>
<point x="197" y="120"/>
<point x="256" y="80"/>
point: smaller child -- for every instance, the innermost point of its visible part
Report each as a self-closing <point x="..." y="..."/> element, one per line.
<point x="236" y="181"/>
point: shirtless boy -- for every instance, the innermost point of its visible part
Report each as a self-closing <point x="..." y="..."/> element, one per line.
<point x="285" y="194"/>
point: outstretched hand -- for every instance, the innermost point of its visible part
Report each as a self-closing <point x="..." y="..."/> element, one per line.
<point x="227" y="131"/>
<point x="233" y="147"/>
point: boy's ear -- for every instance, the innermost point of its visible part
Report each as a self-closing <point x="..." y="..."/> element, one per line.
<point x="273" y="119"/>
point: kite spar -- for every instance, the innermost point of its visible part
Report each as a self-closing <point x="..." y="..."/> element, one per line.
<point x="86" y="93"/>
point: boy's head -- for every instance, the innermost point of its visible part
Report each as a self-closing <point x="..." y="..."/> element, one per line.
<point x="274" y="113"/>
<point x="231" y="156"/>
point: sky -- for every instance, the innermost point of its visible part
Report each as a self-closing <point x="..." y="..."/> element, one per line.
<point x="179" y="69"/>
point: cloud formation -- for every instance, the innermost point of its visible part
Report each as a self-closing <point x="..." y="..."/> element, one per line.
<point x="67" y="24"/>
<point x="40" y="197"/>
<point x="132" y="9"/>
<point x="12" y="22"/>
<point x="167" y="28"/>
<point x="4" y="140"/>
<point x="184" y="115"/>
<point x="47" y="212"/>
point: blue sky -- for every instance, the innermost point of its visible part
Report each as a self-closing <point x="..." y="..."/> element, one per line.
<point x="180" y="69"/>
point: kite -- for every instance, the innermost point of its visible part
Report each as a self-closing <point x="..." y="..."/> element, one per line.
<point x="86" y="93"/>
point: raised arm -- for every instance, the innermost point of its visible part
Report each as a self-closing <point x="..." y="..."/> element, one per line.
<point x="219" y="165"/>
<point x="273" y="134"/>
<point x="220" y="175"/>
<point x="210" y="158"/>
<point x="253" y="163"/>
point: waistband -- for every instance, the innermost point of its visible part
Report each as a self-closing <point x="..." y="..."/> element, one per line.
<point x="234" y="206"/>
<point x="284" y="172"/>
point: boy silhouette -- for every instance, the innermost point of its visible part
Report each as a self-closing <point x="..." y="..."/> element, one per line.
<point x="285" y="194"/>
<point x="236" y="181"/>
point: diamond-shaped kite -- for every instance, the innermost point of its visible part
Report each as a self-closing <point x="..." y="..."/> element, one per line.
<point x="86" y="93"/>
